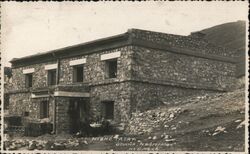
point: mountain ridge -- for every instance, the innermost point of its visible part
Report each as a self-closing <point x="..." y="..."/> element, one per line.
<point x="231" y="35"/>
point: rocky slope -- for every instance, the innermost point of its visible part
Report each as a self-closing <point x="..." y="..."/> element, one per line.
<point x="230" y="35"/>
<point x="210" y="122"/>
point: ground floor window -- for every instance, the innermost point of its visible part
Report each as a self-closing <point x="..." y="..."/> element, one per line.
<point x="6" y="101"/>
<point x="108" y="109"/>
<point x="44" y="109"/>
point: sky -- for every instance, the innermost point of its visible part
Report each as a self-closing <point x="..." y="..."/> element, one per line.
<point x="29" y="28"/>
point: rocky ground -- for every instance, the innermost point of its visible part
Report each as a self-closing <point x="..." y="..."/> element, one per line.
<point x="210" y="122"/>
<point x="214" y="122"/>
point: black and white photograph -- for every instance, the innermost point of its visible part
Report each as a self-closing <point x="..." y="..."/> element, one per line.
<point x="124" y="77"/>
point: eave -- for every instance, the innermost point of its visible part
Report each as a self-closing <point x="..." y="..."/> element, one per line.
<point x="75" y="50"/>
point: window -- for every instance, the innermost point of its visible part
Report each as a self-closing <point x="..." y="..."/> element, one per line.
<point x="44" y="109"/>
<point x="25" y="114"/>
<point x="52" y="77"/>
<point x="111" y="68"/>
<point x="6" y="101"/>
<point x="78" y="73"/>
<point x="108" y="109"/>
<point x="28" y="80"/>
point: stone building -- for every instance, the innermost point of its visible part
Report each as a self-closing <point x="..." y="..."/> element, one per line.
<point x="115" y="76"/>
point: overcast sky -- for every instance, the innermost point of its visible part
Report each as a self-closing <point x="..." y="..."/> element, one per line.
<point x="29" y="28"/>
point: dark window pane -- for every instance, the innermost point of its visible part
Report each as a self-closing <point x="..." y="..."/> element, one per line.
<point x="111" y="67"/>
<point x="52" y="77"/>
<point x="28" y="80"/>
<point x="108" y="109"/>
<point x="6" y="101"/>
<point x="26" y="114"/>
<point x="44" y="109"/>
<point x="78" y="73"/>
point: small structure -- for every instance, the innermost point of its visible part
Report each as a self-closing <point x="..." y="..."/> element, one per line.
<point x="112" y="77"/>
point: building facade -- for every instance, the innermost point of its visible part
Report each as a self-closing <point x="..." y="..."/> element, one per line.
<point x="112" y="77"/>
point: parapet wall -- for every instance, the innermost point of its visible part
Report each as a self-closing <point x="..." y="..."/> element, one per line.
<point x="189" y="42"/>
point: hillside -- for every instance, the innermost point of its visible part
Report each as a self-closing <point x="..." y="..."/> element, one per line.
<point x="232" y="36"/>
<point x="213" y="122"/>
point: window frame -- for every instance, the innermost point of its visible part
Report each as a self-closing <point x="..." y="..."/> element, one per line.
<point x="49" y="77"/>
<point x="28" y="80"/>
<point x="44" y="106"/>
<point x="75" y="73"/>
<point x="105" y="106"/>
<point x="108" y="64"/>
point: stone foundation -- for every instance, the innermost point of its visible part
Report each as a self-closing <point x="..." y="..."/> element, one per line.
<point x="150" y="95"/>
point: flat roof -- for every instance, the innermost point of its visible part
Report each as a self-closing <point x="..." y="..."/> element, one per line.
<point x="116" y="41"/>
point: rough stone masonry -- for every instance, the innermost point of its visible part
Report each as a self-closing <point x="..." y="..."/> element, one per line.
<point x="148" y="68"/>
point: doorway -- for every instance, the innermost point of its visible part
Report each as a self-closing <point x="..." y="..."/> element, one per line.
<point x="78" y="113"/>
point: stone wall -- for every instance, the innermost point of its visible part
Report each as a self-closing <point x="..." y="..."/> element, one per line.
<point x="181" y="70"/>
<point x="192" y="43"/>
<point x="149" y="95"/>
<point x="94" y="70"/>
<point x="120" y="93"/>
<point x="22" y="102"/>
<point x="62" y="117"/>
<point x="39" y="77"/>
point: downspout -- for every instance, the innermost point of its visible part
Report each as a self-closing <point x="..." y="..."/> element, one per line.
<point x="55" y="103"/>
<point x="57" y="83"/>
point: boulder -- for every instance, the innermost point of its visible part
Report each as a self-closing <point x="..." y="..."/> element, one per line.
<point x="171" y="115"/>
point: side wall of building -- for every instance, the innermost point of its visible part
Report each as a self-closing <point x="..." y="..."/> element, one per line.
<point x="169" y="68"/>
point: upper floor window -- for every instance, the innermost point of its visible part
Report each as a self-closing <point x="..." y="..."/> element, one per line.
<point x="110" y="60"/>
<point x="52" y="77"/>
<point x="78" y="73"/>
<point x="28" y="74"/>
<point x="28" y="80"/>
<point x="111" y="68"/>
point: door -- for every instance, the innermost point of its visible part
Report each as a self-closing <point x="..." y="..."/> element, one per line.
<point x="77" y="114"/>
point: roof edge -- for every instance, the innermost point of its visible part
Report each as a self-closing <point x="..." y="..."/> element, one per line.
<point x="72" y="47"/>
